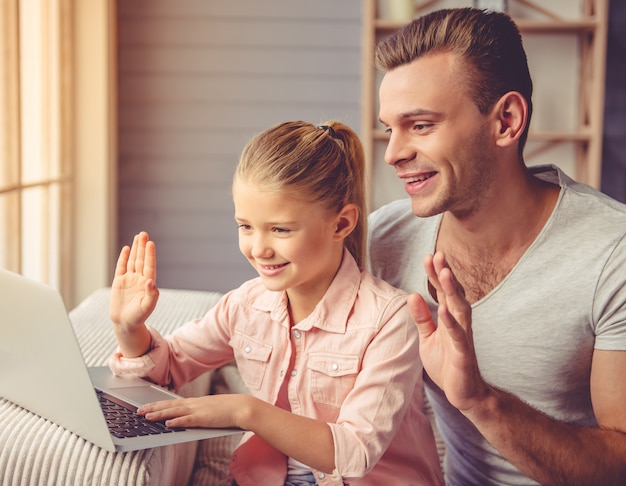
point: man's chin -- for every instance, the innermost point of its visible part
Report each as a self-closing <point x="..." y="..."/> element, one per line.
<point x="422" y="210"/>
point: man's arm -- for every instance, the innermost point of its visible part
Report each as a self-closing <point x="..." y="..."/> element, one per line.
<point x="549" y="451"/>
<point x="553" y="452"/>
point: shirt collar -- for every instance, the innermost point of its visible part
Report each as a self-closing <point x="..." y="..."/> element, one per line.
<point x="331" y="312"/>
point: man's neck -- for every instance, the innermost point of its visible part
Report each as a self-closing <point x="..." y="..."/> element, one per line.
<point x="512" y="216"/>
<point x="484" y="246"/>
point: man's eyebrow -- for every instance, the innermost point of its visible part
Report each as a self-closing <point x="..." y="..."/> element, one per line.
<point x="415" y="113"/>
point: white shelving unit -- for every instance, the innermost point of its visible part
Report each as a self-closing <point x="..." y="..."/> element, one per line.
<point x="565" y="42"/>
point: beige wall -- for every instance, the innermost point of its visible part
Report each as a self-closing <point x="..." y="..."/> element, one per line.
<point x="95" y="145"/>
<point x="196" y="81"/>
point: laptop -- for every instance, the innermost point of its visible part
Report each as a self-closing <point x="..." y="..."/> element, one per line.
<point x="42" y="370"/>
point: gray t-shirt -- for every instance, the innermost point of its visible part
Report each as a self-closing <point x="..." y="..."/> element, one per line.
<point x="536" y="331"/>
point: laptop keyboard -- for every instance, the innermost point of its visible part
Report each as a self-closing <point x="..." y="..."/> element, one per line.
<point x="123" y="421"/>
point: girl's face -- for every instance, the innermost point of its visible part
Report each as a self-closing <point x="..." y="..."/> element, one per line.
<point x="293" y="244"/>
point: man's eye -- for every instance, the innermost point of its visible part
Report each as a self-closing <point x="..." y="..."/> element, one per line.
<point x="422" y="126"/>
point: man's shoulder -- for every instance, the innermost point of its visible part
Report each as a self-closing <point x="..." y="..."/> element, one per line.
<point x="395" y="222"/>
<point x="586" y="207"/>
<point x="400" y="208"/>
<point x="578" y="196"/>
<point x="398" y="241"/>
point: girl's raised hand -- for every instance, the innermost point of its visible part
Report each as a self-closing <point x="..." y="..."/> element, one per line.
<point x="133" y="292"/>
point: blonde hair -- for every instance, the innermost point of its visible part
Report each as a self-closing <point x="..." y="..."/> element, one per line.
<point x="322" y="164"/>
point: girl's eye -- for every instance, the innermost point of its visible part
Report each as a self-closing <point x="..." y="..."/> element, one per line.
<point x="281" y="230"/>
<point x="245" y="227"/>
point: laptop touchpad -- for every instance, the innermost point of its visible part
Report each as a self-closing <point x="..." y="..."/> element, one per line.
<point x="140" y="395"/>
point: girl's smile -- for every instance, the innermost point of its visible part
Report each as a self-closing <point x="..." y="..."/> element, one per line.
<point x="271" y="270"/>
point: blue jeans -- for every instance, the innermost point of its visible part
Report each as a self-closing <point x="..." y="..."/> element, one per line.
<point x="300" y="480"/>
<point x="307" y="479"/>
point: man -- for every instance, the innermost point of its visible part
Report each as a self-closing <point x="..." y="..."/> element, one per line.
<point x="526" y="369"/>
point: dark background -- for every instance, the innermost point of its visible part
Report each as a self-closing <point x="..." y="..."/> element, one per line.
<point x="614" y="142"/>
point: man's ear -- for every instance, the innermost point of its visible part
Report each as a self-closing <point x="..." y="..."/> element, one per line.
<point x="512" y="115"/>
<point x="346" y="221"/>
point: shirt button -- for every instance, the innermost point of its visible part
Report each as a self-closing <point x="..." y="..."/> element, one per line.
<point x="297" y="334"/>
<point x="247" y="349"/>
<point x="334" y="366"/>
<point x="321" y="475"/>
<point x="294" y="372"/>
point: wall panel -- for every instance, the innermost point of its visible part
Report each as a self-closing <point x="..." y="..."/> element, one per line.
<point x="196" y="80"/>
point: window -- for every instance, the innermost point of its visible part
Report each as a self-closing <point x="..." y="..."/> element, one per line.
<point x="35" y="146"/>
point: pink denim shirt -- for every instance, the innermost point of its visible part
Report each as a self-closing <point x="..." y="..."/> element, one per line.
<point x="357" y="368"/>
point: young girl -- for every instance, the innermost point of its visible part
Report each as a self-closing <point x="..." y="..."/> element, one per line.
<point x="327" y="352"/>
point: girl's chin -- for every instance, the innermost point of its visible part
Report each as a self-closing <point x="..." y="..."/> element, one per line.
<point x="272" y="283"/>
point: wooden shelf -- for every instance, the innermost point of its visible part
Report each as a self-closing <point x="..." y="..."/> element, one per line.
<point x="524" y="25"/>
<point x="590" y="30"/>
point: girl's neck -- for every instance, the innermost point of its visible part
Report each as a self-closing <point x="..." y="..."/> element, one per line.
<point x="300" y="309"/>
<point x="302" y="300"/>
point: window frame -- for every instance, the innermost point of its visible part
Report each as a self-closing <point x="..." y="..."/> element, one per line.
<point x="77" y="126"/>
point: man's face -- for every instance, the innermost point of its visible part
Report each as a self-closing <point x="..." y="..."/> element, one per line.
<point x="440" y="144"/>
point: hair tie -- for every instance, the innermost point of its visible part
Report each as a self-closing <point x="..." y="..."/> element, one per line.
<point x="328" y="129"/>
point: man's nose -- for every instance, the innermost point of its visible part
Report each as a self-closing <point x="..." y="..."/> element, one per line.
<point x="398" y="149"/>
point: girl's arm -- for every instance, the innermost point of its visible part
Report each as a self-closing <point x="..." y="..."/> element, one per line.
<point x="307" y="440"/>
<point x="390" y="368"/>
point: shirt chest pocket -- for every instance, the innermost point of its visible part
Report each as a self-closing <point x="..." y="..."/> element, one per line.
<point x="252" y="358"/>
<point x="332" y="377"/>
